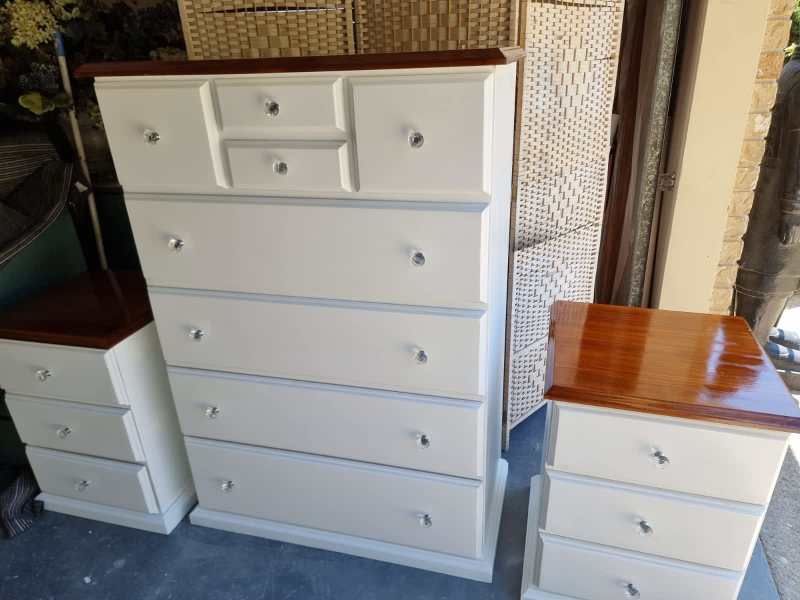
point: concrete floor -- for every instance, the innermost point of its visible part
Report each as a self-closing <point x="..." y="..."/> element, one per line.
<point x="66" y="558"/>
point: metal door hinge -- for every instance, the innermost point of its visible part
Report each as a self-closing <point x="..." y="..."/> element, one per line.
<point x="666" y="181"/>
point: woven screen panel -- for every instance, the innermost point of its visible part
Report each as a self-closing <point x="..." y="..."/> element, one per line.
<point x="565" y="105"/>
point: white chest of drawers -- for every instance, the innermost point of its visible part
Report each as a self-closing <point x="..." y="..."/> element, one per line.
<point x="666" y="433"/>
<point x="325" y="243"/>
<point x="87" y="390"/>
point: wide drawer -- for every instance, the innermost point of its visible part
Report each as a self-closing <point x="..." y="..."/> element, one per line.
<point x="280" y="107"/>
<point x="403" y="256"/>
<point x="422" y="351"/>
<point x="590" y="573"/>
<point x="434" y="512"/>
<point x="673" y="454"/>
<point x="693" y="529"/>
<point x="99" y="431"/>
<point x="96" y="480"/>
<point x="63" y="372"/>
<point x="436" y="435"/>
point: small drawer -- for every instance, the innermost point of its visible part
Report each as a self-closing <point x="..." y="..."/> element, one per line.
<point x="578" y="570"/>
<point x="671" y="454"/>
<point x="108" y="482"/>
<point x="433" y="512"/>
<point x="289" y="166"/>
<point x="698" y="530"/>
<point x="370" y="253"/>
<point x="427" y="351"/>
<point x="62" y="372"/>
<point x="440" y="436"/>
<point x="95" y="430"/>
<point x="279" y="107"/>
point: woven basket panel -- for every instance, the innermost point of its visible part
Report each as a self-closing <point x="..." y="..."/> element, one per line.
<point x="526" y="391"/>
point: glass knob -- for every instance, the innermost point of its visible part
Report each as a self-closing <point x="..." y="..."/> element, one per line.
<point x="43" y="374"/>
<point x="197" y="334"/>
<point x="423" y="441"/>
<point x="151" y="136"/>
<point x="661" y="459"/>
<point x="280" y="167"/>
<point x="227" y="486"/>
<point x="425" y="520"/>
<point x="176" y="244"/>
<point x="631" y="591"/>
<point x="645" y="528"/>
<point x="64" y="432"/>
<point x="212" y="412"/>
<point x="420" y="356"/>
<point x="416" y="139"/>
<point x="83" y="485"/>
<point x="417" y="258"/>
<point x="272" y="108"/>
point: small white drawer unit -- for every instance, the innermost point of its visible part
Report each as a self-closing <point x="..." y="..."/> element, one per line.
<point x="325" y="243"/>
<point x="660" y="458"/>
<point x="87" y="389"/>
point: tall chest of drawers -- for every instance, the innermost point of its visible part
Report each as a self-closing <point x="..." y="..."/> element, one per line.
<point x="325" y="244"/>
<point x="666" y="434"/>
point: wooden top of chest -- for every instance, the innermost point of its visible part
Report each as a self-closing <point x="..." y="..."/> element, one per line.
<point x="300" y="64"/>
<point x="694" y="366"/>
<point x="93" y="310"/>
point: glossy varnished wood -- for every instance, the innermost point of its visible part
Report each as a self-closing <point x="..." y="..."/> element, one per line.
<point x="300" y="64"/>
<point x="695" y="366"/>
<point x="93" y="310"/>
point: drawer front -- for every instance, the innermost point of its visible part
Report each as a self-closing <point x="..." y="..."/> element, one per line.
<point x="337" y="252"/>
<point x="680" y="527"/>
<point x="405" y="431"/>
<point x="430" y="352"/>
<point x="180" y="113"/>
<point x="98" y="431"/>
<point x="96" y="480"/>
<point x="62" y="372"/>
<point x="705" y="460"/>
<point x="289" y="166"/>
<point x="351" y="498"/>
<point x="453" y="116"/>
<point x="606" y="575"/>
<point x="276" y="107"/>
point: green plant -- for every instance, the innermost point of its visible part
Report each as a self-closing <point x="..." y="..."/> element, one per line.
<point x="794" y="35"/>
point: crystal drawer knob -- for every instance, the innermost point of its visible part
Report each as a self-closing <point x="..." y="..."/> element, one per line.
<point x="83" y="485"/>
<point x="176" y="244"/>
<point x="64" y="432"/>
<point x="631" y="591"/>
<point x="418" y="258"/>
<point x="425" y="520"/>
<point x="280" y="167"/>
<point x="423" y="441"/>
<point x="43" y="374"/>
<point x="272" y="108"/>
<point x="197" y="334"/>
<point x="212" y="412"/>
<point x="645" y="528"/>
<point x="416" y="139"/>
<point x="151" y="136"/>
<point x="420" y="356"/>
<point x="659" y="458"/>
<point x="227" y="486"/>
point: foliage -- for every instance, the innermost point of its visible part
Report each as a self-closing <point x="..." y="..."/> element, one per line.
<point x="794" y="37"/>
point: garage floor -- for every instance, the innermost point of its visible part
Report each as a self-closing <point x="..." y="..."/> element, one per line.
<point x="66" y="558"/>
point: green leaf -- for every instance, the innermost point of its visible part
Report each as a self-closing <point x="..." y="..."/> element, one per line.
<point x="36" y="103"/>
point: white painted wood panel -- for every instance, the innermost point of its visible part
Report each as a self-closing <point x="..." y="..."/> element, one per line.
<point x="346" y="497"/>
<point x="453" y="114"/>
<point x="281" y="107"/>
<point x="181" y="113"/>
<point x="428" y="434"/>
<point x="62" y="372"/>
<point x="690" y="528"/>
<point x="351" y="344"/>
<point x="95" y="430"/>
<point x="703" y="458"/>
<point x="96" y="480"/>
<point x="315" y="250"/>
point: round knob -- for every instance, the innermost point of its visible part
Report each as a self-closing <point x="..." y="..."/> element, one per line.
<point x="83" y="485"/>
<point x="631" y="591"/>
<point x="64" y="432"/>
<point x="272" y="108"/>
<point x="421" y="356"/>
<point x="151" y="136"/>
<point x="661" y="459"/>
<point x="280" y="167"/>
<point x="416" y="139"/>
<point x="227" y="486"/>
<point x="212" y="412"/>
<point x="645" y="528"/>
<point x="423" y="441"/>
<point x="176" y="244"/>
<point x="417" y="258"/>
<point x="425" y="520"/>
<point x="197" y="334"/>
<point x="43" y="374"/>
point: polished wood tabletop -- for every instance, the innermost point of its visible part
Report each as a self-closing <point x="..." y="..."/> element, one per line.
<point x="695" y="366"/>
<point x="93" y="310"/>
